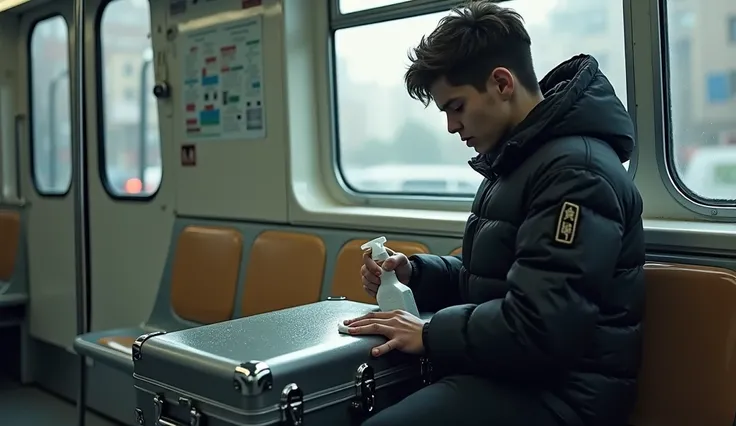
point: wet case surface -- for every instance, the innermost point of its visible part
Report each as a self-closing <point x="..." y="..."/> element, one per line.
<point x="284" y="367"/>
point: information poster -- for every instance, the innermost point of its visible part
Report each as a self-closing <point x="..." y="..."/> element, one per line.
<point x="222" y="75"/>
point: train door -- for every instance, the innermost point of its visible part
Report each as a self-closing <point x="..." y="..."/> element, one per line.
<point x="45" y="123"/>
<point x="130" y="185"/>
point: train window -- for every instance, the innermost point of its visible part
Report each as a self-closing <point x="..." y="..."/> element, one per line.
<point x="131" y="144"/>
<point x="380" y="127"/>
<point x="351" y="6"/>
<point x="702" y="96"/>
<point x="51" y="140"/>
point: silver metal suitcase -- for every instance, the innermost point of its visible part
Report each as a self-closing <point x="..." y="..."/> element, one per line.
<point x="288" y="367"/>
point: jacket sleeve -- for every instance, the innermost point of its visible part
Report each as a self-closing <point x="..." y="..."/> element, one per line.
<point x="435" y="280"/>
<point x="566" y="251"/>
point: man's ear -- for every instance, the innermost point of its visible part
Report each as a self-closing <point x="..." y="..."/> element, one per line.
<point x="502" y="82"/>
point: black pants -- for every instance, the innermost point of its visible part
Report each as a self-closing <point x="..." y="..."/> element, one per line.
<point x="466" y="401"/>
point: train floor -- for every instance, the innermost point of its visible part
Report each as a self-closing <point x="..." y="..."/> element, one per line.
<point x="31" y="406"/>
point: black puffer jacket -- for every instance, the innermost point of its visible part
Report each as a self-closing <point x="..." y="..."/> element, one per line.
<point x="549" y="290"/>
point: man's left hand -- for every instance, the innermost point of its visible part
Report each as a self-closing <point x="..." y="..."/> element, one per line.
<point x="402" y="329"/>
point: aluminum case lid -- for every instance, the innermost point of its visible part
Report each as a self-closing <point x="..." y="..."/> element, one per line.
<point x="244" y="364"/>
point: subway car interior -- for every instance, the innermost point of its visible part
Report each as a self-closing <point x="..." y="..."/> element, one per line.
<point x="144" y="192"/>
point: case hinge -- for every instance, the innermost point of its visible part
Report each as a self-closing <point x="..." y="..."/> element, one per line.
<point x="253" y="378"/>
<point x="292" y="405"/>
<point x="138" y="344"/>
<point x="365" y="391"/>
<point x="425" y="370"/>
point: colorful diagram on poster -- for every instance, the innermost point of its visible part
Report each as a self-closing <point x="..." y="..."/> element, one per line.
<point x="222" y="74"/>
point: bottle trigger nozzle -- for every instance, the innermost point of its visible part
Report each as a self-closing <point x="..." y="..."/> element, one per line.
<point x="378" y="251"/>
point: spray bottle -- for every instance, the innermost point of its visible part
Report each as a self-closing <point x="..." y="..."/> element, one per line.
<point x="392" y="294"/>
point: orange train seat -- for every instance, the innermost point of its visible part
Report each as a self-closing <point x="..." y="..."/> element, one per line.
<point x="285" y="269"/>
<point x="203" y="284"/>
<point x="13" y="279"/>
<point x="688" y="372"/>
<point x="9" y="243"/>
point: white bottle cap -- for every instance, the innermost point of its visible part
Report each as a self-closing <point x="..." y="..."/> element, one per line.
<point x="378" y="251"/>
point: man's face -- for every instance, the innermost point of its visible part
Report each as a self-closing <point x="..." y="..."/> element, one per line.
<point x="480" y="118"/>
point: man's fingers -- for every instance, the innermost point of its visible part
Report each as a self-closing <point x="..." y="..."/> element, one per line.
<point x="371" y="264"/>
<point x="374" y="328"/>
<point x="369" y="321"/>
<point x="378" y="314"/>
<point x="370" y="289"/>
<point x="368" y="276"/>
<point x="385" y="348"/>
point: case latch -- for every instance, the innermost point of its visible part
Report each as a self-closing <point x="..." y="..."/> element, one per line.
<point x="292" y="405"/>
<point x="365" y="390"/>
<point x="425" y="370"/>
<point x="138" y="344"/>
<point x="195" y="416"/>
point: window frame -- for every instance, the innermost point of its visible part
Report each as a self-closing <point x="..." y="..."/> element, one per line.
<point x="31" y="104"/>
<point x="101" y="124"/>
<point x="713" y="209"/>
<point x="631" y="83"/>
<point x="336" y="180"/>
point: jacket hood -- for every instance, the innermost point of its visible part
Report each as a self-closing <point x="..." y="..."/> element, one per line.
<point x="578" y="101"/>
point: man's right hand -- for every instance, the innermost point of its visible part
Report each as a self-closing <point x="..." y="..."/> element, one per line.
<point x="371" y="270"/>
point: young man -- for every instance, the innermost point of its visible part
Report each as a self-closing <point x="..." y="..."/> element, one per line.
<point x="539" y="321"/>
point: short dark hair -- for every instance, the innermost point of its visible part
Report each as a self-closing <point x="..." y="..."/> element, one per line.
<point x="467" y="45"/>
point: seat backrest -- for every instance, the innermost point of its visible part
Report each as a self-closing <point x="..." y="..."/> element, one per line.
<point x="9" y="242"/>
<point x="457" y="251"/>
<point x="688" y="372"/>
<point x="285" y="269"/>
<point x="346" y="277"/>
<point x="204" y="276"/>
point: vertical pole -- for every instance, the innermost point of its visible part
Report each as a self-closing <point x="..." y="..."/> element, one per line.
<point x="79" y="167"/>
<point x="143" y="126"/>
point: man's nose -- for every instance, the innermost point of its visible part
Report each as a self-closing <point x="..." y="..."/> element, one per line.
<point x="453" y="126"/>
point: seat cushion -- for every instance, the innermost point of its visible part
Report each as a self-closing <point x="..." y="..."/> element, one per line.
<point x="110" y="347"/>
